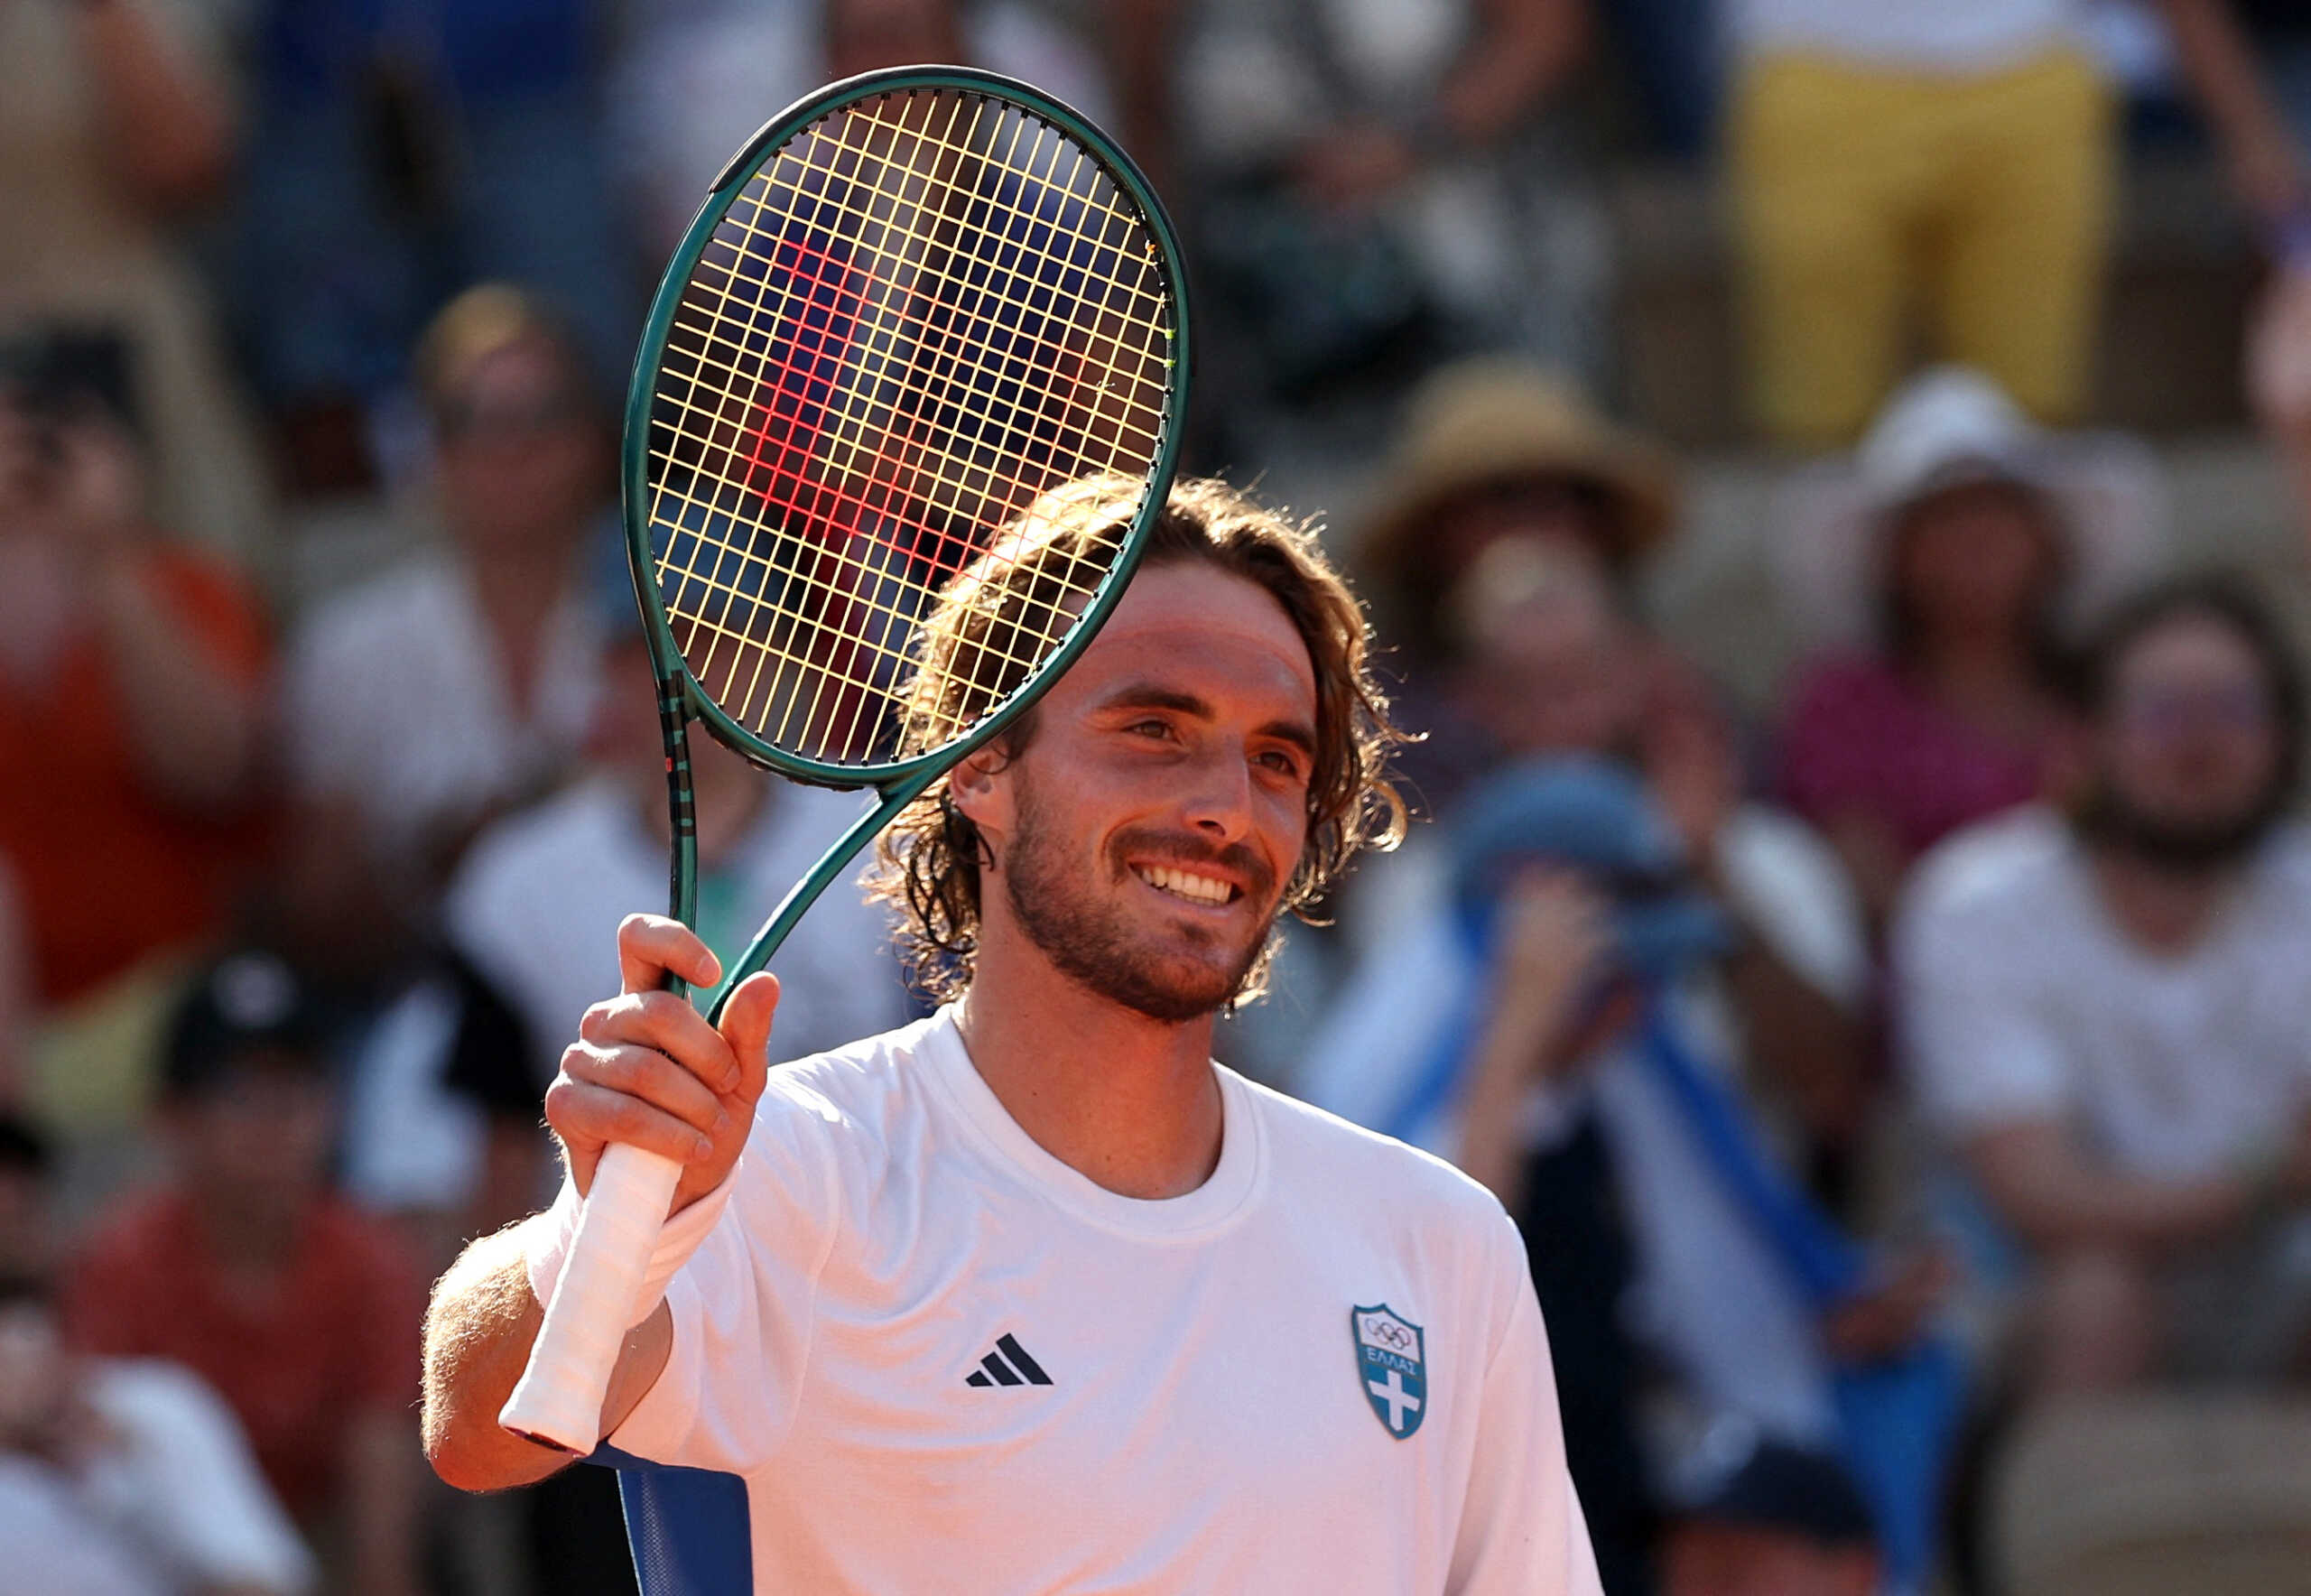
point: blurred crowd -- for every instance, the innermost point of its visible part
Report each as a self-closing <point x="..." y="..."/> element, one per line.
<point x="1887" y="1071"/>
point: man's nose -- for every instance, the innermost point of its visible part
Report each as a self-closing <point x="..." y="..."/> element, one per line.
<point x="1217" y="794"/>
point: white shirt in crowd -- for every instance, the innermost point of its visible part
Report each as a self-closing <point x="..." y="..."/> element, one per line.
<point x="537" y="901"/>
<point x="943" y="1359"/>
<point x="397" y="698"/>
<point x="2023" y="1001"/>
<point x="1943" y="36"/>
<point x="172" y="1500"/>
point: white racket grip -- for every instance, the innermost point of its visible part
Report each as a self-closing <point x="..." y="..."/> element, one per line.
<point x="559" y="1399"/>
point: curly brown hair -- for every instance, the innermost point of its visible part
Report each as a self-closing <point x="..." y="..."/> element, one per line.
<point x="974" y="648"/>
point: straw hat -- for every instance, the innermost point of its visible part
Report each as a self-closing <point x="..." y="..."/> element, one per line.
<point x="1948" y="427"/>
<point x="1495" y="419"/>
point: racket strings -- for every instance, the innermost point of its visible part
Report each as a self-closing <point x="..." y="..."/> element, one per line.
<point x="919" y="317"/>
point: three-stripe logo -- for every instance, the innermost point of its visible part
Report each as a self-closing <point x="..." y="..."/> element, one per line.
<point x="1008" y="1364"/>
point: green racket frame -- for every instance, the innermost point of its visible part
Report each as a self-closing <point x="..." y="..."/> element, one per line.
<point x="681" y="698"/>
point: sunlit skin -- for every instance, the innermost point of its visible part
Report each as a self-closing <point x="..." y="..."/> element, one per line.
<point x="1182" y="740"/>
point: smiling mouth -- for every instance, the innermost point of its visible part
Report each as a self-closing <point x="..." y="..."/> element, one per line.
<point x="1187" y="885"/>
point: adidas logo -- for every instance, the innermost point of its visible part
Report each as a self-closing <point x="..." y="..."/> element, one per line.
<point x="1008" y="1364"/>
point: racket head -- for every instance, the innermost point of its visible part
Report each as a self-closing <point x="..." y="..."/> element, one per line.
<point x="796" y="394"/>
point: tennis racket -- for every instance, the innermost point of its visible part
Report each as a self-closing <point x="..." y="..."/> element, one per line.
<point x="916" y="302"/>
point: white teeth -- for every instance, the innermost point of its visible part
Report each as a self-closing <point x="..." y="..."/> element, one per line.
<point x="1200" y="889"/>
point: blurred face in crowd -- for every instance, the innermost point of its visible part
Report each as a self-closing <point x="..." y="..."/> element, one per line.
<point x="1550" y="664"/>
<point x="1561" y="512"/>
<point x="256" y="1141"/>
<point x="1973" y="559"/>
<point x="1705" y="1559"/>
<point x="2188" y="741"/>
<point x="520" y="451"/>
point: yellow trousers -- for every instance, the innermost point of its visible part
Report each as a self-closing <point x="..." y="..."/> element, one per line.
<point x="1861" y="190"/>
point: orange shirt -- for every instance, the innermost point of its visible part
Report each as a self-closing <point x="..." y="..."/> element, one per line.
<point x="334" y="1337"/>
<point x="108" y="871"/>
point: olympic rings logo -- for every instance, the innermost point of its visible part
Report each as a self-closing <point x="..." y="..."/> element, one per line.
<point x="1389" y="1334"/>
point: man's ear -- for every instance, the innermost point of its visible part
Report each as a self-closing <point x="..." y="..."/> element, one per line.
<point x="980" y="790"/>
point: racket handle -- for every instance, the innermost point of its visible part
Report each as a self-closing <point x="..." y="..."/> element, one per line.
<point x="558" y="1400"/>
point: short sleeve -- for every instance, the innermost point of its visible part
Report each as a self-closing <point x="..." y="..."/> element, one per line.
<point x="1981" y="1046"/>
<point x="1521" y="1531"/>
<point x="746" y="1304"/>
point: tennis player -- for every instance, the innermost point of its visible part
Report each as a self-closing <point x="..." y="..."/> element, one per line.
<point x="1032" y="1295"/>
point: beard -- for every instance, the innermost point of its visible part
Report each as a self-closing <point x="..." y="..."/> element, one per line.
<point x="1105" y="950"/>
<point x="2199" y="845"/>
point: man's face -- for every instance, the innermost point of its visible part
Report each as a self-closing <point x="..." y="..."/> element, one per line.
<point x="1144" y="838"/>
<point x="2188" y="740"/>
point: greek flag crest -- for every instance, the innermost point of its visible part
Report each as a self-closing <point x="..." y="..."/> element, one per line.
<point x="1388" y="1360"/>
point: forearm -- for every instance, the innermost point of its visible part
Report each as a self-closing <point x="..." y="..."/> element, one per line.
<point x="2223" y="75"/>
<point x="479" y="1333"/>
<point x="1523" y="50"/>
<point x="194" y="728"/>
<point x="1524" y="1024"/>
<point x="167" y="122"/>
<point x="2056" y="1200"/>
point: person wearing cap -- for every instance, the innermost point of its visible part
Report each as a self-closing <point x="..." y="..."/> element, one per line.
<point x="2106" y="1022"/>
<point x="244" y="1267"/>
<point x="1940" y="573"/>
<point x="1766" y="1519"/>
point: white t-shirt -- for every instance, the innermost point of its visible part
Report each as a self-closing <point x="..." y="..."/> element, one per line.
<point x="1944" y="35"/>
<point x="535" y="905"/>
<point x="943" y="1360"/>
<point x="171" y="1502"/>
<point x="2022" y="1001"/>
<point x="397" y="698"/>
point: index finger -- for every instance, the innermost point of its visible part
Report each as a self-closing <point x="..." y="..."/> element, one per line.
<point x="651" y="947"/>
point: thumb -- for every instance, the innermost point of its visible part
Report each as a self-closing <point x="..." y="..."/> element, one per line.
<point x="746" y="1027"/>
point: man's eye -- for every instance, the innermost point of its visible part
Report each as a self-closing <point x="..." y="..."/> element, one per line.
<point x="1282" y="764"/>
<point x="1149" y="728"/>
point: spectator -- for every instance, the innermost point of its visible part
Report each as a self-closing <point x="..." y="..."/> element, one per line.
<point x="1381" y="186"/>
<point x="1944" y="566"/>
<point x="398" y="154"/>
<point x="461" y="682"/>
<point x="1581" y="1036"/>
<point x="1780" y="1521"/>
<point x="2250" y="65"/>
<point x="131" y="681"/>
<point x="117" y="1475"/>
<point x="1877" y="150"/>
<point x="244" y="1269"/>
<point x="2107" y="1020"/>
<point x="114" y="121"/>
<point x="538" y="898"/>
<point x="1493" y="450"/>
